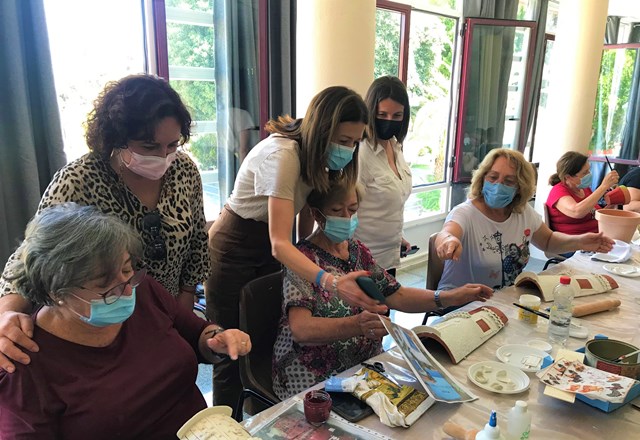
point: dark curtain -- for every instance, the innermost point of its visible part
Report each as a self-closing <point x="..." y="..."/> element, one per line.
<point x="237" y="85"/>
<point x="282" y="61"/>
<point x="237" y="70"/>
<point x="611" y="30"/>
<point x="631" y="134"/>
<point x="32" y="148"/>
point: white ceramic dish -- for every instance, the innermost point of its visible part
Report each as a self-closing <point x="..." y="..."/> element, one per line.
<point x="526" y="358"/>
<point x="498" y="378"/>
<point x="540" y="344"/>
<point x="625" y="270"/>
<point x="620" y="253"/>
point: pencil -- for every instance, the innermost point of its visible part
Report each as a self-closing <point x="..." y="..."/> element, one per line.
<point x="608" y="163"/>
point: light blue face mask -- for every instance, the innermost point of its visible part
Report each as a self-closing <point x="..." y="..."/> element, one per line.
<point x="103" y="314"/>
<point x="339" y="229"/>
<point x="585" y="181"/>
<point x="339" y="156"/>
<point x="497" y="195"/>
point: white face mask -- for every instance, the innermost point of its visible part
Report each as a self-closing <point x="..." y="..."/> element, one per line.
<point x="151" y="167"/>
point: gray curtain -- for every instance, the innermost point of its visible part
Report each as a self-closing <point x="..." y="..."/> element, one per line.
<point x="31" y="146"/>
<point x="282" y="62"/>
<point x="631" y="135"/>
<point x="237" y="85"/>
<point x="506" y="9"/>
<point x="611" y="30"/>
<point x="531" y="101"/>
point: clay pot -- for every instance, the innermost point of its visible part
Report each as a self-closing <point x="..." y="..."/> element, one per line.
<point x="617" y="224"/>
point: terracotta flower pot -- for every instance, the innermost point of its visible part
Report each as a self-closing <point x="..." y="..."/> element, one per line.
<point x="617" y="224"/>
<point x="618" y="196"/>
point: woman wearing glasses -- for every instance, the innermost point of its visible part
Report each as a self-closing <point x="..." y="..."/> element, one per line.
<point x="118" y="356"/>
<point x="480" y="236"/>
<point x="135" y="172"/>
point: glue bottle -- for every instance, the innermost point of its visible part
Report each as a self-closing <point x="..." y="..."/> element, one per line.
<point x="519" y="422"/>
<point x="491" y="430"/>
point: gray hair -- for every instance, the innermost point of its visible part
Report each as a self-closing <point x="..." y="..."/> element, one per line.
<point x="67" y="245"/>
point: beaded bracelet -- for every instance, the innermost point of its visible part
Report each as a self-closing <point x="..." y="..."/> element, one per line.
<point x="323" y="282"/>
<point x="334" y="285"/>
<point x="319" y="276"/>
<point x="436" y="299"/>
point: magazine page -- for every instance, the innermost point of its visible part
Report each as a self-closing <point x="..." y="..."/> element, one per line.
<point x="289" y="423"/>
<point x="437" y="381"/>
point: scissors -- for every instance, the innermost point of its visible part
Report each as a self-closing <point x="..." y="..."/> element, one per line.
<point x="379" y="368"/>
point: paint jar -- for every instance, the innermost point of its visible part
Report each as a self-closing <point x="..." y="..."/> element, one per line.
<point x="532" y="302"/>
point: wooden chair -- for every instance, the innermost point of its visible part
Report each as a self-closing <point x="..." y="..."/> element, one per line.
<point x="260" y="310"/>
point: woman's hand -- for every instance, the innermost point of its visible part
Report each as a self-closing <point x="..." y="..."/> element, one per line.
<point x="16" y="329"/>
<point x="450" y="248"/>
<point x="232" y="342"/>
<point x="467" y="293"/>
<point x="610" y="180"/>
<point x="371" y="326"/>
<point x="349" y="291"/>
<point x="595" y="242"/>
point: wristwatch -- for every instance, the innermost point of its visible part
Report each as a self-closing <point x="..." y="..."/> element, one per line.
<point x="436" y="298"/>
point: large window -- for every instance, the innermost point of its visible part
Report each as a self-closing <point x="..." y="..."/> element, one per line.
<point x="87" y="52"/>
<point x="419" y="47"/>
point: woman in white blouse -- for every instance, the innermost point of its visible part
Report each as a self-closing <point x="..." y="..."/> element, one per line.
<point x="383" y="172"/>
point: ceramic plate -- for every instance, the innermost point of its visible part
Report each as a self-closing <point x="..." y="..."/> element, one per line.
<point x="540" y="344"/>
<point x="498" y="378"/>
<point x="626" y="270"/>
<point x="526" y="358"/>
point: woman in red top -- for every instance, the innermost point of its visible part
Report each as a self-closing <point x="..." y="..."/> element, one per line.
<point x="571" y="203"/>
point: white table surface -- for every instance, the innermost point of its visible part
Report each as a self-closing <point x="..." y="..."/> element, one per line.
<point x="551" y="418"/>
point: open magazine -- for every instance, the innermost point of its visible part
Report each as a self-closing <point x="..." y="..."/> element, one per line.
<point x="583" y="284"/>
<point x="435" y="379"/>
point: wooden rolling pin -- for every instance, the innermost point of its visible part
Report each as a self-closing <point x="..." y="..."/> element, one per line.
<point x="458" y="432"/>
<point x="595" y="307"/>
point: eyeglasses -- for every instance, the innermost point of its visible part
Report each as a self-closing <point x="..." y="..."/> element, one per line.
<point x="112" y="295"/>
<point x="155" y="249"/>
<point x="508" y="181"/>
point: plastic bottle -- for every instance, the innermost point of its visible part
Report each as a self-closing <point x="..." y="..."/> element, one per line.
<point x="519" y="422"/>
<point x="491" y="430"/>
<point x="560" y="316"/>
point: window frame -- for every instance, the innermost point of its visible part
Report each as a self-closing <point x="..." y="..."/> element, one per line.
<point x="405" y="22"/>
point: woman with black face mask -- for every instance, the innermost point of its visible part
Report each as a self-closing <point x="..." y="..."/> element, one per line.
<point x="383" y="172"/>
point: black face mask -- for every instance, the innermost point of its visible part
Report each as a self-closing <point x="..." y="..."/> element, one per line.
<point x="386" y="129"/>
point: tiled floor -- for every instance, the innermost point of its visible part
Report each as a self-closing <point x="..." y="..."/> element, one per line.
<point x="414" y="276"/>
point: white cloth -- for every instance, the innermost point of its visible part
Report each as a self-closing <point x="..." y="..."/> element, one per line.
<point x="381" y="210"/>
<point x="271" y="169"/>
<point x="493" y="253"/>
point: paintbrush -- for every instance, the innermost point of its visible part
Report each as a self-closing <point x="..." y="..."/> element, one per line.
<point x="608" y="163"/>
<point x="544" y="315"/>
<point x="624" y="356"/>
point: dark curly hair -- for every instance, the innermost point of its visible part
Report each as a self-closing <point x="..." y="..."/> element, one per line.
<point x="130" y="109"/>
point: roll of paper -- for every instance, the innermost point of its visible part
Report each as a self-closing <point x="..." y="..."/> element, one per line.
<point x="595" y="307"/>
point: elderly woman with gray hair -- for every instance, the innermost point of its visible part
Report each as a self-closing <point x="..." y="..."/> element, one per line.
<point x="118" y="356"/>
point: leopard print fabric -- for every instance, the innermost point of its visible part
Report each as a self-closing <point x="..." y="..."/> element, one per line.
<point x="90" y="180"/>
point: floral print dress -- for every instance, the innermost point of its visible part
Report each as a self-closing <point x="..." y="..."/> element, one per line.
<point x="297" y="367"/>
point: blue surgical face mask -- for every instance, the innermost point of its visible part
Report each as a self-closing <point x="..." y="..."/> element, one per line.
<point x="497" y="195"/>
<point x="339" y="156"/>
<point x="585" y="181"/>
<point x="339" y="229"/>
<point x="103" y="314"/>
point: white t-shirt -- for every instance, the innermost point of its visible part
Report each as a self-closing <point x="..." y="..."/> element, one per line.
<point x="271" y="169"/>
<point x="381" y="210"/>
<point x="493" y="253"/>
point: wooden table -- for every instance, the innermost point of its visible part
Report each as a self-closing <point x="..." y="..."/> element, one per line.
<point x="551" y="418"/>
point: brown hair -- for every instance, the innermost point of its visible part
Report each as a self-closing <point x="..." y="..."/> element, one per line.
<point x="525" y="174"/>
<point x="338" y="191"/>
<point x="314" y="132"/>
<point x="569" y="164"/>
<point x="130" y="109"/>
<point x="387" y="87"/>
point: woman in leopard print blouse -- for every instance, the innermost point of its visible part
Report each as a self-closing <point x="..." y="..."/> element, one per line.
<point x="135" y="172"/>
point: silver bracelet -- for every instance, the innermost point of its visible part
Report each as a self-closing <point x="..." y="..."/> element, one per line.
<point x="334" y="285"/>
<point x="436" y="298"/>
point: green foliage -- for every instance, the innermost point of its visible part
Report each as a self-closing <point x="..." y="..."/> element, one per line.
<point x="200" y="98"/>
<point x="190" y="45"/>
<point x="614" y="87"/>
<point x="204" y="149"/>
<point x="194" y="5"/>
<point x="387" y="53"/>
<point x="429" y="200"/>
